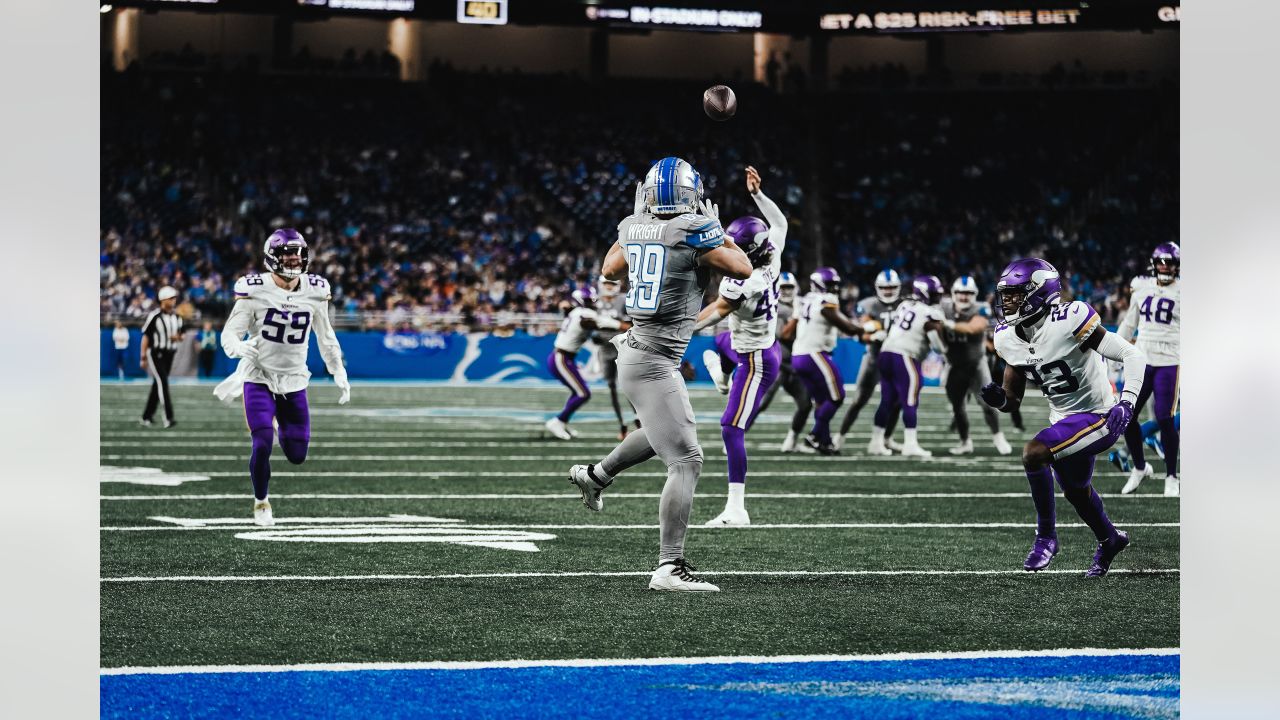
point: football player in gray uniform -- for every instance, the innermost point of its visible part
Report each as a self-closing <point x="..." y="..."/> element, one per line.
<point x="965" y="328"/>
<point x="666" y="250"/>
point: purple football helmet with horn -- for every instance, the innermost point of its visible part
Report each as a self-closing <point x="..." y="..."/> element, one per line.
<point x="584" y="296"/>
<point x="825" y="279"/>
<point x="927" y="289"/>
<point x="752" y="235"/>
<point x="1166" y="262"/>
<point x="1026" y="289"/>
<point x="280" y="246"/>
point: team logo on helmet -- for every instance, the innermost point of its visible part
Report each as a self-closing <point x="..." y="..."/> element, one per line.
<point x="825" y="279"/>
<point x="927" y="289"/>
<point x="1027" y="289"/>
<point x="1166" y="262"/>
<point x="751" y="235"/>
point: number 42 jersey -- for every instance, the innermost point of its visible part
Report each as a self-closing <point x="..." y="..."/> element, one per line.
<point x="282" y="321"/>
<point x="1073" y="378"/>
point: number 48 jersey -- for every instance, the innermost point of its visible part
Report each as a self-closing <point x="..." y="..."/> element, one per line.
<point x="282" y="320"/>
<point x="1073" y="378"/>
<point x="1154" y="312"/>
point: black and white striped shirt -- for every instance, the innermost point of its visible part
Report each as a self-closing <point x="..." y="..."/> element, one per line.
<point x="162" y="329"/>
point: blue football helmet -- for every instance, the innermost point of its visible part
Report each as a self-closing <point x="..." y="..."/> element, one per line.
<point x="672" y="187"/>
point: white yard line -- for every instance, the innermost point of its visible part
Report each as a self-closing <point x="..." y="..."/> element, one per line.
<point x="627" y="573"/>
<point x="641" y="662"/>
<point x="247" y="524"/>
<point x="241" y="457"/>
<point x="612" y="496"/>
<point x="755" y="475"/>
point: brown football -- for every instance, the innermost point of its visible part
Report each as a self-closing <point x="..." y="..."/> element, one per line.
<point x="719" y="102"/>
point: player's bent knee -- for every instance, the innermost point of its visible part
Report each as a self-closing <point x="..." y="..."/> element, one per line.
<point x="1036" y="455"/>
<point x="295" y="451"/>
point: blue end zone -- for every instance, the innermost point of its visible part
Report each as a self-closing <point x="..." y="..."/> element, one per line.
<point x="1119" y="686"/>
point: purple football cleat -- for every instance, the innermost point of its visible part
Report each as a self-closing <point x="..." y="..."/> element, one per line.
<point x="1041" y="554"/>
<point x="1107" y="551"/>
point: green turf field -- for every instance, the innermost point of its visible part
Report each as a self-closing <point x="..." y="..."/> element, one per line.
<point x="410" y="534"/>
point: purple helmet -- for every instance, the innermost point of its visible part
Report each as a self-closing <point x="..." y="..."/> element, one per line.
<point x="1168" y="255"/>
<point x="1026" y="289"/>
<point x="825" y="279"/>
<point x="283" y="244"/>
<point x="752" y="235"/>
<point x="584" y="296"/>
<point x="927" y="289"/>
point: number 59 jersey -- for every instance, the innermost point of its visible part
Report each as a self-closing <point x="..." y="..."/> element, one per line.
<point x="281" y="320"/>
<point x="1154" y="312"/>
<point x="1073" y="378"/>
<point x="664" y="280"/>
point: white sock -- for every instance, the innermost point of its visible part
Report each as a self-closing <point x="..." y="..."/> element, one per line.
<point x="877" y="435"/>
<point x="737" y="497"/>
<point x="909" y="436"/>
<point x="791" y="436"/>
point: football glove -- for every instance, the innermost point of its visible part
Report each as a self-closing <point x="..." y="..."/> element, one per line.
<point x="994" y="395"/>
<point x="1119" y="416"/>
<point x="710" y="209"/>
<point x="639" y="206"/>
<point x="345" y="386"/>
<point x="246" y="350"/>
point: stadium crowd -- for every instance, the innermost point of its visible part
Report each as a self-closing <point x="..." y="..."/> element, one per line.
<point x="430" y="198"/>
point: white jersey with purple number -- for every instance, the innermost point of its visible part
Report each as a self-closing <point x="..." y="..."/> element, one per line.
<point x="1073" y="378"/>
<point x="573" y="334"/>
<point x="1154" y="313"/>
<point x="753" y="323"/>
<point x="907" y="335"/>
<point x="282" y="321"/>
<point x="813" y="333"/>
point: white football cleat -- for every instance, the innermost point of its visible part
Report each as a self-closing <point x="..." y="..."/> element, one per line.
<point x="875" y="448"/>
<point x="734" y="517"/>
<point x="1002" y="445"/>
<point x="893" y="445"/>
<point x="1136" y="476"/>
<point x="789" y="443"/>
<point x="262" y="514"/>
<point x="964" y="448"/>
<point x="572" y="433"/>
<point x="557" y="427"/>
<point x="592" y="491"/>
<point x="914" y="450"/>
<point x="1172" y="487"/>
<point x="837" y="441"/>
<point x="674" y="576"/>
<point x="711" y="359"/>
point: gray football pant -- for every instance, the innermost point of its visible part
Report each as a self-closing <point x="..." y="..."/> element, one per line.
<point x="656" y="389"/>
<point x="960" y="382"/>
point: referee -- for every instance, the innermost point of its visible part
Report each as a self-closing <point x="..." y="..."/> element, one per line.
<point x="160" y="336"/>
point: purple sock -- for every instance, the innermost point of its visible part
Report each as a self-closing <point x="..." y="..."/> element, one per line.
<point x="1169" y="437"/>
<point x="571" y="406"/>
<point x="1041" y="482"/>
<point x="735" y="448"/>
<point x="1089" y="506"/>
<point x="260" y="461"/>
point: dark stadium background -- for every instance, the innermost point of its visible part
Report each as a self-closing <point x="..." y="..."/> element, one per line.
<point x="458" y="176"/>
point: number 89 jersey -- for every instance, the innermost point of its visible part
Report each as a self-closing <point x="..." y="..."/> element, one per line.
<point x="281" y="320"/>
<point x="664" y="280"/>
<point x="1073" y="378"/>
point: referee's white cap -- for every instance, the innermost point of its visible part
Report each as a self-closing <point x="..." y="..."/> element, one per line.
<point x="167" y="292"/>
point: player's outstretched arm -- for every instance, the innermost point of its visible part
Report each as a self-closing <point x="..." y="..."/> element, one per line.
<point x="727" y="258"/>
<point x="931" y="332"/>
<point x="840" y="322"/>
<point x="773" y="214"/>
<point x="615" y="263"/>
<point x="1112" y="347"/>
<point x="976" y="325"/>
<point x="715" y="312"/>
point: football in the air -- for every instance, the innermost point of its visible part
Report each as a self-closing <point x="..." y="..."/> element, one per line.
<point x="719" y="102"/>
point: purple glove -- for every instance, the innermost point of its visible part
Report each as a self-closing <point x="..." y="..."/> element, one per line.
<point x="994" y="395"/>
<point x="1119" y="416"/>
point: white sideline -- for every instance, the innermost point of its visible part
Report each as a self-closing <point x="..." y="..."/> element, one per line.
<point x="612" y="496"/>
<point x="627" y="573"/>
<point x="634" y="662"/>
<point x="362" y="522"/>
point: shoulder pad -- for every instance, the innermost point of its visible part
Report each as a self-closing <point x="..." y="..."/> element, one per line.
<point x="1142" y="281"/>
<point x="1082" y="319"/>
<point x="700" y="231"/>
<point x="984" y="310"/>
<point x="1000" y="327"/>
<point x="245" y="286"/>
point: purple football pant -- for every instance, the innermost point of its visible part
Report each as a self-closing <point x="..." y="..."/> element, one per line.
<point x="293" y="417"/>
<point x="1161" y="385"/>
<point x="1074" y="442"/>
<point x="754" y="374"/>
<point x="899" y="389"/>
<point x="565" y="369"/>
<point x="822" y="379"/>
